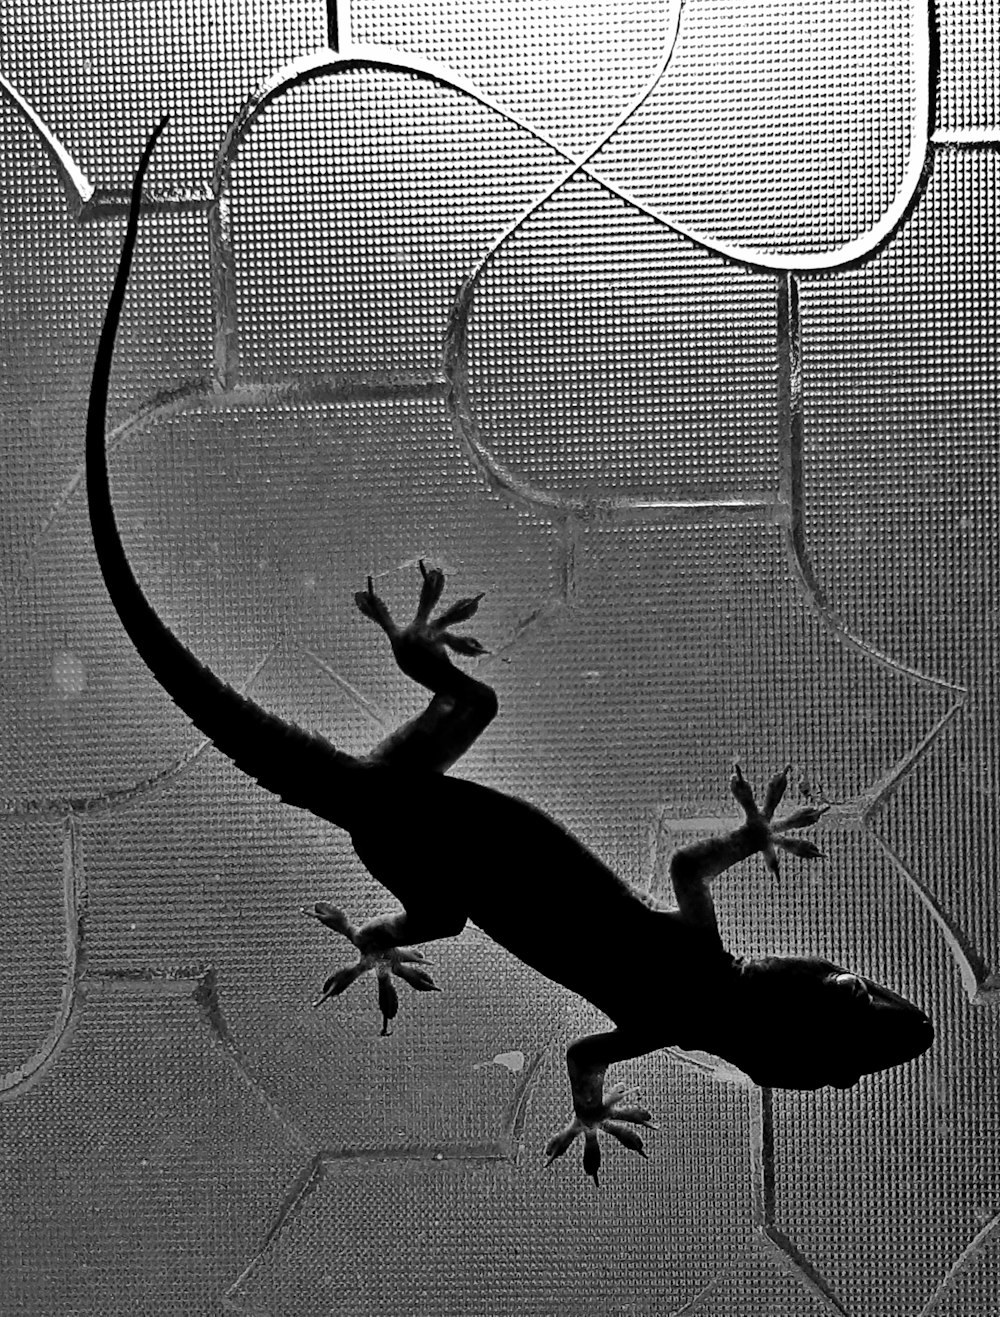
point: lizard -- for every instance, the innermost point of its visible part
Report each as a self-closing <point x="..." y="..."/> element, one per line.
<point x="661" y="976"/>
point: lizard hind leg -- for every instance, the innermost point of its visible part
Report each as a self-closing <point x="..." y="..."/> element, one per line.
<point x="425" y="633"/>
<point x="596" y="1109"/>
<point x="612" y="1116"/>
<point x="462" y="706"/>
<point x="384" y="948"/>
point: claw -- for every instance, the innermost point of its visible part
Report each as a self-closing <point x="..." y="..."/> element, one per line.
<point x="333" y="917"/>
<point x="802" y="818"/>
<point x="416" y="977"/>
<point x="559" y="1143"/>
<point x="625" y="1135"/>
<point x="388" y="1002"/>
<point x="430" y="591"/>
<point x="460" y="611"/>
<point x="463" y="644"/>
<point x="338" y="983"/>
<point x="616" y="1092"/>
<point x="740" y="788"/>
<point x="410" y="956"/>
<point x="425" y="631"/>
<point x="372" y="606"/>
<point x="635" y="1115"/>
<point x="591" y="1155"/>
<point x="775" y="790"/>
<point x="805" y="850"/>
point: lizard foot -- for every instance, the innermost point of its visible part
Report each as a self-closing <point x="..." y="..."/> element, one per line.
<point x="613" y="1117"/>
<point x="404" y="962"/>
<point x="424" y="632"/>
<point x="777" y="832"/>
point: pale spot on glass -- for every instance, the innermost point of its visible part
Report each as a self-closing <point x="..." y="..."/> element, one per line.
<point x="69" y="675"/>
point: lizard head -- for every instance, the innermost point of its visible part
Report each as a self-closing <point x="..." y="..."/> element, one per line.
<point x="806" y="1023"/>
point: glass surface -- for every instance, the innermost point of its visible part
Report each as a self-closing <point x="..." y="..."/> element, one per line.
<point x="672" y="328"/>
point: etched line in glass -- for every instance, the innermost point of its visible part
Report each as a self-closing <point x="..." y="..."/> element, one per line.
<point x="199" y="982"/>
<point x="762" y="1173"/>
<point x="86" y="200"/>
<point x="790" y="448"/>
<point x="882" y="791"/>
<point x="555" y="503"/>
<point x="108" y="203"/>
<point x="694" y="1304"/>
<point x="972" y="137"/>
<point x="329" y="1161"/>
<point x="326" y="63"/>
<point x="762" y="1155"/>
<point x="374" y="712"/>
<point x="201" y="395"/>
<point x="162" y="406"/>
<point x="76" y="184"/>
<point x="305" y="1183"/>
<point x="206" y="996"/>
<point x="338" y="24"/>
<point x="975" y="1248"/>
<point x="981" y="985"/>
<point x="82" y="806"/>
<point x="122" y="797"/>
<point x="15" y="1083"/>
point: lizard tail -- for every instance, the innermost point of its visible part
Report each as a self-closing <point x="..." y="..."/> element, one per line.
<point x="302" y="768"/>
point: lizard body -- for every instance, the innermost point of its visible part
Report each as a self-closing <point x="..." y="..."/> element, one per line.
<point x="662" y="977"/>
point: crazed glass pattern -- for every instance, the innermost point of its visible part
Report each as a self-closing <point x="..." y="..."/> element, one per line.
<point x="673" y="330"/>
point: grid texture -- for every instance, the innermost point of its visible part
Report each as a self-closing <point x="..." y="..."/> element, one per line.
<point x="672" y="330"/>
<point x="752" y="111"/>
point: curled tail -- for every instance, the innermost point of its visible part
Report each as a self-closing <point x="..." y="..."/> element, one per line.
<point x="302" y="768"/>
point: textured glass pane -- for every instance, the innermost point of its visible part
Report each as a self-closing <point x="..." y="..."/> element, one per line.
<point x="672" y="330"/>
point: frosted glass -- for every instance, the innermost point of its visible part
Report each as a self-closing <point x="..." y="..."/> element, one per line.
<point x="672" y="329"/>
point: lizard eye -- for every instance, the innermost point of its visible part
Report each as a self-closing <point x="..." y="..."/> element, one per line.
<point x="854" y="985"/>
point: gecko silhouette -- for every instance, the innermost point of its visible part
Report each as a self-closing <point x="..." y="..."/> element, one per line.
<point x="662" y="977"/>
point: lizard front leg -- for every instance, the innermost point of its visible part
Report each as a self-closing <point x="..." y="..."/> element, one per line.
<point x="693" y="868"/>
<point x="595" y="1109"/>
